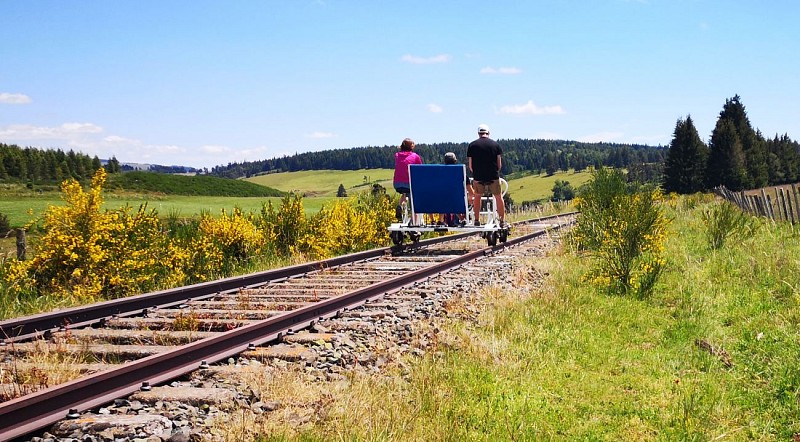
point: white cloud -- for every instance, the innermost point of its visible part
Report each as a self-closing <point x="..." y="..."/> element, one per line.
<point x="66" y="131"/>
<point x="502" y="71"/>
<point x="7" y="98"/>
<point x="530" y="108"/>
<point x="413" y="59"/>
<point x="115" y="139"/>
<point x="81" y="128"/>
<point x="214" y="149"/>
<point x="88" y="138"/>
<point x="320" y="135"/>
<point x="435" y="108"/>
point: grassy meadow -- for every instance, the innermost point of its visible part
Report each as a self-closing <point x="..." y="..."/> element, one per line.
<point x="325" y="183"/>
<point x="539" y="187"/>
<point x="711" y="355"/>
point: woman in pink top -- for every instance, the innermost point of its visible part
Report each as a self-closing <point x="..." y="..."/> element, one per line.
<point x="402" y="159"/>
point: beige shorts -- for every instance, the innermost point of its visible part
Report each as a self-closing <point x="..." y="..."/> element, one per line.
<point x="480" y="189"/>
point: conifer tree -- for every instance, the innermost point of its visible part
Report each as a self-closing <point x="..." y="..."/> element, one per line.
<point x="726" y="164"/>
<point x="754" y="146"/>
<point x="685" y="165"/>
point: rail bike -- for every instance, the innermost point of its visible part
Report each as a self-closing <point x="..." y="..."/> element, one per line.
<point x="439" y="202"/>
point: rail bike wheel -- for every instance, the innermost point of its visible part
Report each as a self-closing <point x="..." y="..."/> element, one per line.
<point x="397" y="238"/>
<point x="491" y="239"/>
<point x="503" y="236"/>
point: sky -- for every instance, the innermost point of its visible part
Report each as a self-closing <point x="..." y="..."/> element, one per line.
<point x="204" y="83"/>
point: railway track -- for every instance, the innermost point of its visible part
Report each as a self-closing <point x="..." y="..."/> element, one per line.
<point x="117" y="348"/>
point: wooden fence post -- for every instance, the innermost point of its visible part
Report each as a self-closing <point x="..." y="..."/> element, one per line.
<point x="782" y="204"/>
<point x="22" y="246"/>
<point x="789" y="209"/>
<point x="796" y="202"/>
<point x="767" y="205"/>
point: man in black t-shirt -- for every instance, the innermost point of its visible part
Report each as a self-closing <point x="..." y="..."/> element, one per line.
<point x="484" y="156"/>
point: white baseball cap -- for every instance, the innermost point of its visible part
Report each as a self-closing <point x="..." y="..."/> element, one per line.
<point x="483" y="129"/>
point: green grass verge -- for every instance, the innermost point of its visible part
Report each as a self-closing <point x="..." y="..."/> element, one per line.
<point x="712" y="355"/>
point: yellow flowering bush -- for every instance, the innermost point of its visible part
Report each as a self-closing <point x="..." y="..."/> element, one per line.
<point x="285" y="226"/>
<point x="222" y="242"/>
<point x="88" y="253"/>
<point x="624" y="229"/>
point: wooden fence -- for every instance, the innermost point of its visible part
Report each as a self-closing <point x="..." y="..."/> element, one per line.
<point x="783" y="206"/>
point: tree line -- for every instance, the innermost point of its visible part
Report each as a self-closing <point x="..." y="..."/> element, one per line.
<point x="519" y="155"/>
<point x="737" y="156"/>
<point x="32" y="165"/>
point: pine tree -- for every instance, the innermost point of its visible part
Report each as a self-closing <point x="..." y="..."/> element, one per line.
<point x="341" y="192"/>
<point x="684" y="168"/>
<point x="726" y="164"/>
<point x="754" y="146"/>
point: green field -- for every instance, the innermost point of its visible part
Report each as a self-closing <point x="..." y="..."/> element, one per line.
<point x="539" y="187"/>
<point x="16" y="207"/>
<point x="325" y="183"/>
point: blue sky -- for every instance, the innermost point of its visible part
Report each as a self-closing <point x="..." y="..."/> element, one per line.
<point x="205" y="83"/>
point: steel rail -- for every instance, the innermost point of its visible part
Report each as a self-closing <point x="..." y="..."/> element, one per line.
<point x="35" y="411"/>
<point x="28" y="327"/>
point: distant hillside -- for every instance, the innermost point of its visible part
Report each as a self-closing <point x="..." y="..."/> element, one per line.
<point x="325" y="183"/>
<point x="519" y="155"/>
<point x="198" y="185"/>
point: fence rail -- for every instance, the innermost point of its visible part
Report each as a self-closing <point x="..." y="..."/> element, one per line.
<point x="784" y="206"/>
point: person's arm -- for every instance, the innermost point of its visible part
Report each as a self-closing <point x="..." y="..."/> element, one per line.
<point x="469" y="160"/>
<point x="499" y="164"/>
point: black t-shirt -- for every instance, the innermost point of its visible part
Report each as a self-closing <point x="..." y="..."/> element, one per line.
<point x="484" y="152"/>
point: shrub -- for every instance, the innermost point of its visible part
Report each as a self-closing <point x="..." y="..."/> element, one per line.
<point x="724" y="221"/>
<point x="5" y="226"/>
<point x="351" y="225"/>
<point x="87" y="254"/>
<point x="285" y="226"/>
<point x="222" y="243"/>
<point x="562" y="191"/>
<point x="623" y="228"/>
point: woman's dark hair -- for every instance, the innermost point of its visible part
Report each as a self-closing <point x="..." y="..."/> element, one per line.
<point x="407" y="144"/>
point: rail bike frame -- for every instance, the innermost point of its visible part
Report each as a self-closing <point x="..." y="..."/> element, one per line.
<point x="438" y="189"/>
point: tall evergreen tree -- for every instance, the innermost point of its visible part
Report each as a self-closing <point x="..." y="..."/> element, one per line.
<point x="754" y="146"/>
<point x="726" y="165"/>
<point x="685" y="165"/>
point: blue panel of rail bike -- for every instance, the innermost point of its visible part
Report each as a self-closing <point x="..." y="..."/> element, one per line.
<point x="438" y="188"/>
